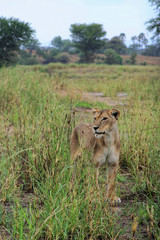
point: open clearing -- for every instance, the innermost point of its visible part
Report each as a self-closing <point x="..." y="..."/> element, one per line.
<point x="40" y="198"/>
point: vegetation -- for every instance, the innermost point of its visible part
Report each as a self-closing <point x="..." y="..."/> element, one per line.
<point x="18" y="45"/>
<point x="13" y="34"/>
<point x="88" y="39"/>
<point x="112" y="57"/>
<point x="44" y="195"/>
<point x="117" y="44"/>
<point x="154" y="23"/>
<point x="139" y="43"/>
<point x="34" y="54"/>
<point x="132" y="59"/>
<point x="153" y="49"/>
<point x="63" y="45"/>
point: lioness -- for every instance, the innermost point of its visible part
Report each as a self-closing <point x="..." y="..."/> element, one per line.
<point x="102" y="139"/>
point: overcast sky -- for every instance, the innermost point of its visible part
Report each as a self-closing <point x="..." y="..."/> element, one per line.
<point x="51" y="18"/>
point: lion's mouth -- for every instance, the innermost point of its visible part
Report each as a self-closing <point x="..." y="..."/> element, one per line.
<point x="99" y="132"/>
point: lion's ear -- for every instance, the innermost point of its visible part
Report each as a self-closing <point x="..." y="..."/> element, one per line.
<point x="115" y="113"/>
<point x="95" y="110"/>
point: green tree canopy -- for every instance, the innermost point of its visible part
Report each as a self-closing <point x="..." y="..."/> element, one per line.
<point x="117" y="44"/>
<point x="154" y="23"/>
<point x="32" y="44"/>
<point x="122" y="37"/>
<point x="57" y="43"/>
<point x="88" y="39"/>
<point x="138" y="43"/>
<point x="13" y="34"/>
<point x="63" y="45"/>
<point x="153" y="49"/>
<point x="67" y="45"/>
<point x="142" y="41"/>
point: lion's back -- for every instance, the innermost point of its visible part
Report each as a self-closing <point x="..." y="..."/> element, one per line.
<point x="82" y="136"/>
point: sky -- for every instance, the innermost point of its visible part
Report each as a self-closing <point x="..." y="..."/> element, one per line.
<point x="51" y="18"/>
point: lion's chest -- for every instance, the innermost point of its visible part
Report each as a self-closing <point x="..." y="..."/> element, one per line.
<point x="101" y="156"/>
<point x="107" y="154"/>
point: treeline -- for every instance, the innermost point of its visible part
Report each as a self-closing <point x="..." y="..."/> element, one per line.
<point x="88" y="43"/>
<point x="62" y="50"/>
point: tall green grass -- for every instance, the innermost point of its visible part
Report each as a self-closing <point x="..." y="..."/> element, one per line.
<point x="44" y="195"/>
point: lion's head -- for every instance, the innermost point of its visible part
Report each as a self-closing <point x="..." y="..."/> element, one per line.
<point x="104" y="121"/>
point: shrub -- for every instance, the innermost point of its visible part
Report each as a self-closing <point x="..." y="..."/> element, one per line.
<point x="143" y="63"/>
<point x="63" y="58"/>
<point x="133" y="58"/>
<point x="111" y="57"/>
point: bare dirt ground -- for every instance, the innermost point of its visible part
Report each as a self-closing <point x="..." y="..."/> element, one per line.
<point x="121" y="98"/>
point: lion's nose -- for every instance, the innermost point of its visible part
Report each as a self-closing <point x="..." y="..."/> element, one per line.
<point x="95" y="128"/>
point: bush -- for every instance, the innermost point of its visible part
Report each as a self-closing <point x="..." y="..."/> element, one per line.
<point x="111" y="57"/>
<point x="143" y="63"/>
<point x="133" y="58"/>
<point x="28" y="61"/>
<point x="63" y="58"/>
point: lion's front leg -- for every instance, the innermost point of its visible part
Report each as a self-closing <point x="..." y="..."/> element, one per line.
<point x="111" y="187"/>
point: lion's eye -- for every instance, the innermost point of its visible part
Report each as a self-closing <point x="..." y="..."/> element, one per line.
<point x="103" y="119"/>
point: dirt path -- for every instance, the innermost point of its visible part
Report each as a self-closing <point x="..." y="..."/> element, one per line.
<point x="120" y="99"/>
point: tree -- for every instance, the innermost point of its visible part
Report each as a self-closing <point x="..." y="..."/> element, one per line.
<point x="152" y="50"/>
<point x="134" y="47"/>
<point x="88" y="39"/>
<point x="142" y="41"/>
<point x="50" y="55"/>
<point x="101" y="51"/>
<point x="67" y="45"/>
<point x="57" y="43"/>
<point x="63" y="45"/>
<point x="13" y="34"/>
<point x="116" y="44"/>
<point x="32" y="44"/>
<point x="122" y="37"/>
<point x="154" y="23"/>
<point x="138" y="42"/>
<point x="134" y="39"/>
<point x="112" y="57"/>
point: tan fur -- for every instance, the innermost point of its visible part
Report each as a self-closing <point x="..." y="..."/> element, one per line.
<point x="102" y="139"/>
